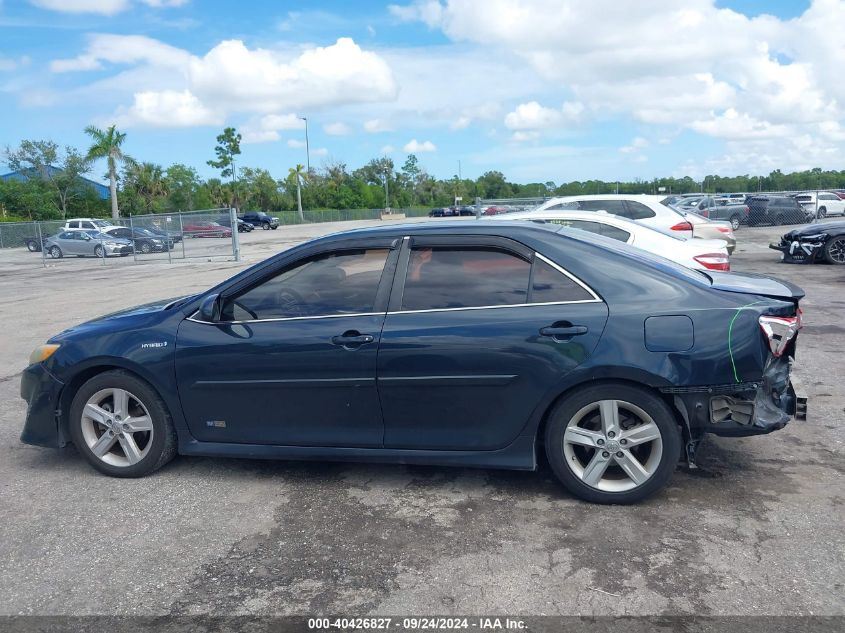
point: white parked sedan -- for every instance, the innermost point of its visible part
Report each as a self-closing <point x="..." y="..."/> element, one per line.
<point x="647" y="210"/>
<point x="692" y="253"/>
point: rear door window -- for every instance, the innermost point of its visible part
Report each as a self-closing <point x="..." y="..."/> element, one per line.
<point x="638" y="211"/>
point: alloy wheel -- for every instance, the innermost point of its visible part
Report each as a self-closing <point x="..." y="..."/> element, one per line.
<point x="735" y="223"/>
<point x="117" y="427"/>
<point x="612" y="445"/>
<point x="836" y="250"/>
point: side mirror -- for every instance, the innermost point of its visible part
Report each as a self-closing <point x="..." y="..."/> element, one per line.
<point x="209" y="309"/>
<point x="86" y="237"/>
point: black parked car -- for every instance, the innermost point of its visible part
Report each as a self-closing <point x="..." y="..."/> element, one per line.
<point x="174" y="236"/>
<point x="814" y="243"/>
<point x="443" y="343"/>
<point x="144" y="239"/>
<point x="775" y="210"/>
<point x="243" y="226"/>
<point x="443" y="212"/>
<point x="257" y="218"/>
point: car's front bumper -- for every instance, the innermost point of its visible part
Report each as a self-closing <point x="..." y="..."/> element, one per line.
<point x="41" y="390"/>
<point x="799" y="251"/>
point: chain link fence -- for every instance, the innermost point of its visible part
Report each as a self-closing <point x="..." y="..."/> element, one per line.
<point x="205" y="234"/>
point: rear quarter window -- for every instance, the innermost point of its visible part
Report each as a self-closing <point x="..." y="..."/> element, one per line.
<point x="638" y="211"/>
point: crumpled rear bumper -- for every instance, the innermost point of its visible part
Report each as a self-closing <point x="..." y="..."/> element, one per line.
<point x="743" y="409"/>
<point x="41" y="390"/>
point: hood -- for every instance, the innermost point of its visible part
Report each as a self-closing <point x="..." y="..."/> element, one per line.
<point x="752" y="284"/>
<point x="815" y="229"/>
<point x="141" y="310"/>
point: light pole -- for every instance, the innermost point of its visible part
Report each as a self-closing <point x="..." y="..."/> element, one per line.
<point x="307" y="147"/>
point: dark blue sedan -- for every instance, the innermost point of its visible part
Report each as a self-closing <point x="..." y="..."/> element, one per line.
<point x="468" y="344"/>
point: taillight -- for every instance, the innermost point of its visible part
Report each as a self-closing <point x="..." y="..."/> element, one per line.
<point x="705" y="213"/>
<point x="723" y="229"/>
<point x="714" y="261"/>
<point x="780" y="331"/>
<point x="682" y="226"/>
<point x="747" y="210"/>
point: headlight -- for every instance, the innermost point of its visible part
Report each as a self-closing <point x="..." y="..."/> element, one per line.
<point x="156" y="242"/>
<point x="817" y="236"/>
<point x="42" y="353"/>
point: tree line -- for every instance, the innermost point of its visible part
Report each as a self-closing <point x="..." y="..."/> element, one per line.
<point x="53" y="188"/>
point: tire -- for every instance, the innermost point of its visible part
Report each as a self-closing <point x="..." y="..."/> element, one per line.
<point x="32" y="246"/>
<point x="779" y="220"/>
<point x="152" y="446"/>
<point x="653" y="458"/>
<point x="99" y="252"/>
<point x="55" y="252"/>
<point x="822" y="212"/>
<point x="735" y="222"/>
<point x="265" y="226"/>
<point x="146" y="248"/>
<point x="274" y="227"/>
<point x="834" y="250"/>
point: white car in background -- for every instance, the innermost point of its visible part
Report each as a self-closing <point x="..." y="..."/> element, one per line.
<point x="692" y="253"/>
<point x="828" y="204"/>
<point x="647" y="210"/>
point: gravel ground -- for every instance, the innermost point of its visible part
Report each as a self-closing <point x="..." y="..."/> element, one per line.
<point x="759" y="532"/>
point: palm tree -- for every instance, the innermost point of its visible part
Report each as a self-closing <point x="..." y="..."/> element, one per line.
<point x="107" y="145"/>
<point x="298" y="172"/>
<point x="148" y="180"/>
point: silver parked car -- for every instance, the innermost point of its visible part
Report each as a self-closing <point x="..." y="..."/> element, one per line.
<point x="85" y="244"/>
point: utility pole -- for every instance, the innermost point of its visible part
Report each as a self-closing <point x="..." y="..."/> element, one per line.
<point x="386" y="192"/>
<point x="459" y="170"/>
<point x="307" y="147"/>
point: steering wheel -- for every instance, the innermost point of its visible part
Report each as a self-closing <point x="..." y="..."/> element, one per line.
<point x="291" y="302"/>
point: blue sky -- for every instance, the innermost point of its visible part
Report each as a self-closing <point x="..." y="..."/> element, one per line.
<point x="541" y="90"/>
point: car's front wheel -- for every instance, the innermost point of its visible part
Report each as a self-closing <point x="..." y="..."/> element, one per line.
<point x="99" y="252"/>
<point x="834" y="250"/>
<point x="613" y="443"/>
<point x="265" y="226"/>
<point x="822" y="213"/>
<point x="55" y="252"/>
<point x="121" y="425"/>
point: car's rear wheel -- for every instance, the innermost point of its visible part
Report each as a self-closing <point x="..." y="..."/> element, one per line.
<point x="121" y="425"/>
<point x="821" y="213"/>
<point x="613" y="443"/>
<point x="55" y="252"/>
<point x="32" y="246"/>
<point x="780" y="220"/>
<point x="735" y="222"/>
<point x="834" y="250"/>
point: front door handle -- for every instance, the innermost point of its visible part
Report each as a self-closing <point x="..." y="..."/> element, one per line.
<point x="563" y="333"/>
<point x="352" y="339"/>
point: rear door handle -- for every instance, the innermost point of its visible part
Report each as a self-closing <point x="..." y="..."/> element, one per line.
<point x="352" y="339"/>
<point x="563" y="333"/>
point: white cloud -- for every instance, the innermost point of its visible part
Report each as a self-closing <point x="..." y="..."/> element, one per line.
<point x="337" y="129"/>
<point x="168" y="108"/>
<point x="320" y="151"/>
<point x="233" y="78"/>
<point x="522" y="136"/>
<point x="374" y="126"/>
<point x="462" y="122"/>
<point x="102" y="7"/>
<point x="415" y="147"/>
<point x="265" y="129"/>
<point x="11" y="63"/>
<point x="296" y="143"/>
<point x="636" y="145"/>
<point x="388" y="149"/>
<point x="762" y="78"/>
<point x="533" y="116"/>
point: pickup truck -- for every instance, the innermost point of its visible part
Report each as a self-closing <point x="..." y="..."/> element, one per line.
<point x="714" y="209"/>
